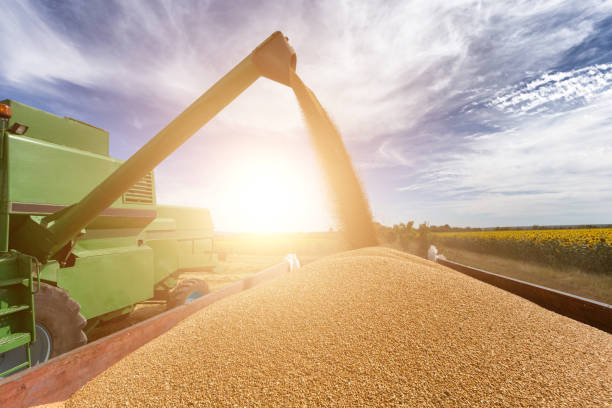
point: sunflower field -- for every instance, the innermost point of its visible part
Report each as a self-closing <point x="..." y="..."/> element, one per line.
<point x="587" y="249"/>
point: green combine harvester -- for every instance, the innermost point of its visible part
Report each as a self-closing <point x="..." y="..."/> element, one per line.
<point x="131" y="252"/>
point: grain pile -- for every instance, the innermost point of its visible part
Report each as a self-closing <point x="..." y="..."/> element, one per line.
<point x="351" y="205"/>
<point x="372" y="327"/>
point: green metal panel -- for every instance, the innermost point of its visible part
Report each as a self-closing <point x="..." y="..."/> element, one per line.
<point x="105" y="280"/>
<point x="161" y="224"/>
<point x="192" y="228"/>
<point x="197" y="254"/>
<point x="56" y="129"/>
<point x="188" y="218"/>
<point x="46" y="173"/>
<point x="86" y="244"/>
<point x="166" y="257"/>
<point x="49" y="271"/>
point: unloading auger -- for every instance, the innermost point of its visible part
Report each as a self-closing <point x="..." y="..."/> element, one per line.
<point x="273" y="59"/>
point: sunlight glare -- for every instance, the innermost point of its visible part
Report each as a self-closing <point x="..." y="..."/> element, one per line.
<point x="274" y="194"/>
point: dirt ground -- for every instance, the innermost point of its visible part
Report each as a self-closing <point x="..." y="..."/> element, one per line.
<point x="571" y="280"/>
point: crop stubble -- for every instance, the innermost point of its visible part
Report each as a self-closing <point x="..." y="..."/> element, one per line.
<point x="370" y="327"/>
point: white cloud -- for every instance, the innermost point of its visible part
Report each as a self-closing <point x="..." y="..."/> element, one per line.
<point x="584" y="83"/>
<point x="552" y="167"/>
<point x="388" y="155"/>
<point x="34" y="52"/>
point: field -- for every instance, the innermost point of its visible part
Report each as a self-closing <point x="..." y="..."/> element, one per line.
<point x="305" y="245"/>
<point x="246" y="248"/>
<point x="589" y="250"/>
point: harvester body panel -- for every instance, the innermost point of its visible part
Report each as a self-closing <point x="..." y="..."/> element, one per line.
<point x="193" y="232"/>
<point x="59" y="130"/>
<point x="45" y="178"/>
<point x="109" y="279"/>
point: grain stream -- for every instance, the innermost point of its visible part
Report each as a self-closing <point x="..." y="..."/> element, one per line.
<point x="351" y="204"/>
<point x="372" y="327"/>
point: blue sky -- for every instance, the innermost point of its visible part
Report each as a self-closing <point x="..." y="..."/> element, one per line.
<point x="461" y="112"/>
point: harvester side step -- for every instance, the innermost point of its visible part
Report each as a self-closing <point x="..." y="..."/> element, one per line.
<point x="14" y="281"/>
<point x="16" y="368"/>
<point x="13" y="309"/>
<point x="13" y="341"/>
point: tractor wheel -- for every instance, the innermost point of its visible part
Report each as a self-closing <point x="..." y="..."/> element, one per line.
<point x="59" y="323"/>
<point x="186" y="292"/>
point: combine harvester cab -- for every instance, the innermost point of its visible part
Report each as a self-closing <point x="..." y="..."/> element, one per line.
<point x="74" y="245"/>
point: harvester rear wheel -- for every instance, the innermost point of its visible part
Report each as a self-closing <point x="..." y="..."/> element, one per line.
<point x="58" y="317"/>
<point x="186" y="292"/>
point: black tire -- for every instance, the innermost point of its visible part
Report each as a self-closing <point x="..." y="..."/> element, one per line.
<point x="60" y="315"/>
<point x="185" y="290"/>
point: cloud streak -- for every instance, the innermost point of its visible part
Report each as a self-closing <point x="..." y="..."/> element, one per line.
<point x="581" y="84"/>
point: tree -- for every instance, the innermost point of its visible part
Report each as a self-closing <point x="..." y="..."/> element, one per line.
<point x="423" y="239"/>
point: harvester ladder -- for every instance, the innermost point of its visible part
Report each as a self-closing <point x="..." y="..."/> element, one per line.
<point x="17" y="326"/>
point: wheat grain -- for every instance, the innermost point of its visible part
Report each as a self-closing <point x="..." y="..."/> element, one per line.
<point x="372" y="327"/>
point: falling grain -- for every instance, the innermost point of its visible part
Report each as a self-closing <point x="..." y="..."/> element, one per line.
<point x="373" y="327"/>
<point x="351" y="204"/>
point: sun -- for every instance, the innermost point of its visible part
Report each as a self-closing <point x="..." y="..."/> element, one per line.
<point x="264" y="190"/>
<point x="272" y="194"/>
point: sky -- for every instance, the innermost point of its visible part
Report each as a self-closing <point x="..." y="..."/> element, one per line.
<point x="468" y="113"/>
